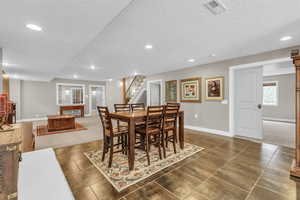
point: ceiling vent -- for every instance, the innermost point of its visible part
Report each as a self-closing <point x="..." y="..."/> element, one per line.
<point x="215" y="6"/>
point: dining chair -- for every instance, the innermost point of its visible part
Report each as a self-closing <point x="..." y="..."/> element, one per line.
<point x="109" y="133"/>
<point x="122" y="108"/>
<point x="173" y="104"/>
<point x="153" y="129"/>
<point x="170" y="124"/>
<point x="137" y="106"/>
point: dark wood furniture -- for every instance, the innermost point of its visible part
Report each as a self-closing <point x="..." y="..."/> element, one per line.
<point x="137" y="106"/>
<point x="60" y="122"/>
<point x="109" y="133"/>
<point x="122" y="108"/>
<point x="12" y="114"/>
<point x="72" y="108"/>
<point x="295" y="169"/>
<point x="170" y="124"/>
<point x="153" y="130"/>
<point x="139" y="116"/>
<point x="9" y="163"/>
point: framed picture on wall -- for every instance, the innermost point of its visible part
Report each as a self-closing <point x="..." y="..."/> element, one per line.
<point x="214" y="89"/>
<point x="190" y="90"/>
<point x="171" y="91"/>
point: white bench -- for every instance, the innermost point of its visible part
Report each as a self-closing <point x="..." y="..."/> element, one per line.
<point x="41" y="178"/>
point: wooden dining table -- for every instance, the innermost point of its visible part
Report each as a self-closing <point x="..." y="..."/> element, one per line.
<point x="139" y="116"/>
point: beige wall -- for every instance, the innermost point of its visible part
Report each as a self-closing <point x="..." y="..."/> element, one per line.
<point x="1" y="68"/>
<point x="213" y="115"/>
<point x="36" y="99"/>
<point x="286" y="98"/>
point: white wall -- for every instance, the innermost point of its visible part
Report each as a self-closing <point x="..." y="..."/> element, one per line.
<point x="1" y="68"/>
<point x="286" y="98"/>
<point x="36" y="99"/>
<point x="213" y="114"/>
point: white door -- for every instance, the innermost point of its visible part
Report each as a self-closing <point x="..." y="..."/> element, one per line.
<point x="97" y="98"/>
<point x="248" y="93"/>
<point x="155" y="94"/>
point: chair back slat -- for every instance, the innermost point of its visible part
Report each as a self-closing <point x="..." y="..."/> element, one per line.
<point x="137" y="106"/>
<point x="155" y="116"/>
<point x="105" y="119"/>
<point x="122" y="107"/>
<point x="171" y="114"/>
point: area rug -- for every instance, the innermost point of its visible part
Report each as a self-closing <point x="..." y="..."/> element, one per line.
<point x="43" y="129"/>
<point x="120" y="176"/>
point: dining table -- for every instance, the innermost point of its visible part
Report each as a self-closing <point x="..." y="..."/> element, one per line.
<point x="134" y="117"/>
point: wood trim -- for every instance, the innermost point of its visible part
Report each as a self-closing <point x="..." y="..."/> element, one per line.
<point x="200" y="85"/>
<point x="295" y="169"/>
<point x="124" y="90"/>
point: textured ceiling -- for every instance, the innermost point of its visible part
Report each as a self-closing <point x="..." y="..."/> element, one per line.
<point x="111" y="35"/>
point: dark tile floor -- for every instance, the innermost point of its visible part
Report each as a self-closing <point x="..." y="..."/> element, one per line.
<point x="228" y="168"/>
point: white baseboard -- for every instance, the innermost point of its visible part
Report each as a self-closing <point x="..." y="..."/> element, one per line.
<point x="32" y="119"/>
<point x="279" y="120"/>
<point x="207" y="130"/>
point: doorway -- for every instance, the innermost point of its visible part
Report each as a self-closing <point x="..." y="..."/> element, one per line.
<point x="262" y="103"/>
<point x="96" y="97"/>
<point x="154" y="93"/>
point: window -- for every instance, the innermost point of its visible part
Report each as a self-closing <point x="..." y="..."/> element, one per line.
<point x="69" y="94"/>
<point x="270" y="93"/>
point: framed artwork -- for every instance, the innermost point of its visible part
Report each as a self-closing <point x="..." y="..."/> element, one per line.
<point x="190" y="90"/>
<point x="171" y="91"/>
<point x="214" y="89"/>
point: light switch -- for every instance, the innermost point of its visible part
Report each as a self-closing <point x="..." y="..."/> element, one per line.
<point x="225" y="101"/>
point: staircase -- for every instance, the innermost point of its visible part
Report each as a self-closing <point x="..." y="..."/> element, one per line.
<point x="136" y="90"/>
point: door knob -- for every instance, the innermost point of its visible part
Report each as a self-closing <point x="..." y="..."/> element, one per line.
<point x="259" y="106"/>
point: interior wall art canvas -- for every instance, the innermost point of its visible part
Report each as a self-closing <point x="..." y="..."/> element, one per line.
<point x="214" y="89"/>
<point x="190" y="90"/>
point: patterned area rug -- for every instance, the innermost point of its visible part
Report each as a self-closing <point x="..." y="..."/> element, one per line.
<point x="120" y="176"/>
<point x="43" y="129"/>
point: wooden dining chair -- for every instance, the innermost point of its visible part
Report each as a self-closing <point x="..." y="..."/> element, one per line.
<point x="173" y="104"/>
<point x="122" y="108"/>
<point x="153" y="129"/>
<point x="137" y="106"/>
<point x="109" y="133"/>
<point x="170" y="124"/>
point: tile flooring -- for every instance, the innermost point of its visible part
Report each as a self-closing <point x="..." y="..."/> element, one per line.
<point x="228" y="169"/>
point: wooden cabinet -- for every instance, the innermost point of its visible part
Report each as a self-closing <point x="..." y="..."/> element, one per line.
<point x="9" y="163"/>
<point x="60" y="122"/>
<point x="80" y="108"/>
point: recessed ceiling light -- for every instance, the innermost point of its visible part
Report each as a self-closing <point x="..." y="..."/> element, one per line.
<point x="213" y="55"/>
<point x="148" y="46"/>
<point x="34" y="27"/>
<point x="93" y="67"/>
<point x="75" y="76"/>
<point x="110" y="79"/>
<point x="191" y="60"/>
<point x="5" y="64"/>
<point x="286" y="38"/>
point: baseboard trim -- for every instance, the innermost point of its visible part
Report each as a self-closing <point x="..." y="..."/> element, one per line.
<point x="32" y="119"/>
<point x="207" y="130"/>
<point x="279" y="120"/>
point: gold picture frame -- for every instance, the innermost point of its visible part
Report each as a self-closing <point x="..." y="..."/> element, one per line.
<point x="171" y="91"/>
<point x="190" y="90"/>
<point x="214" y="88"/>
